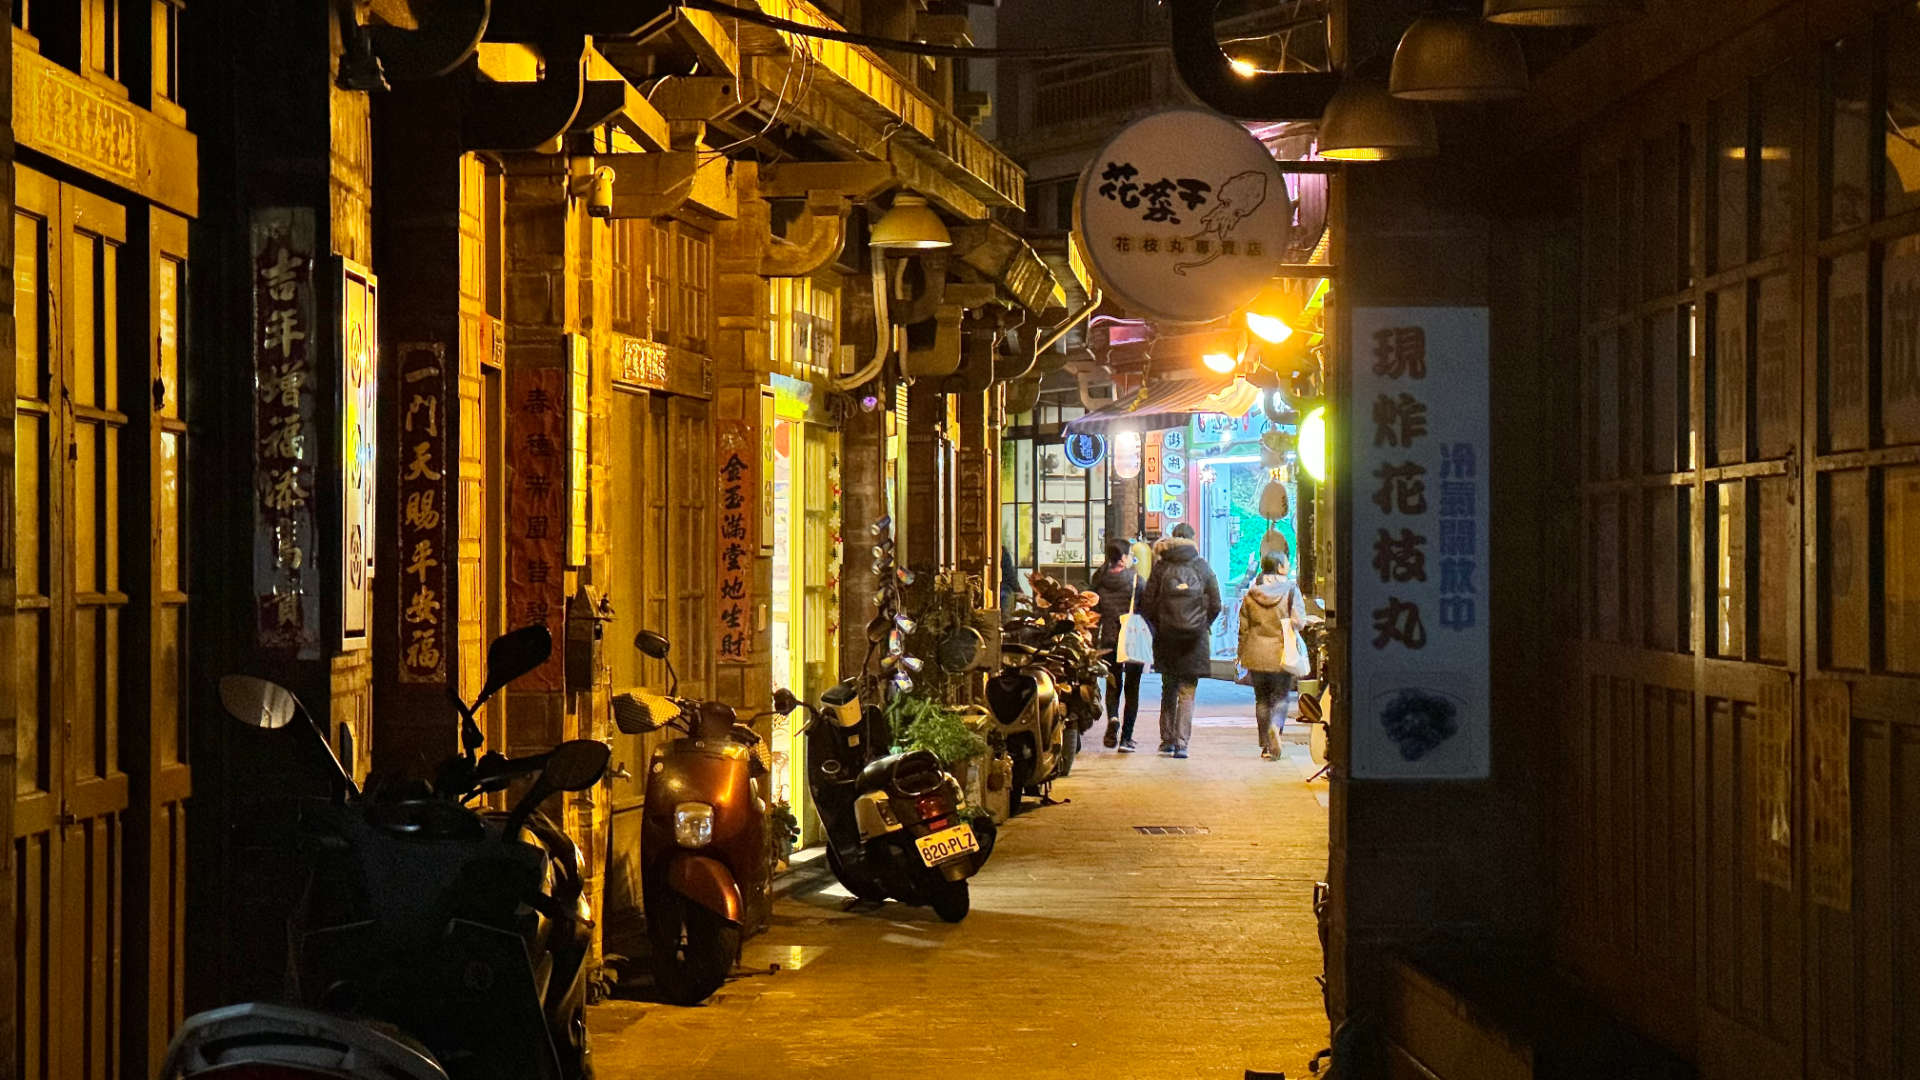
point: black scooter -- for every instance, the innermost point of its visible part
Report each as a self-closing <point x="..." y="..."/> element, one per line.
<point x="893" y="821"/>
<point x="467" y="930"/>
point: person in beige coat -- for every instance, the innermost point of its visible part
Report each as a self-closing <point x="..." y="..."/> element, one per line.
<point x="1272" y="603"/>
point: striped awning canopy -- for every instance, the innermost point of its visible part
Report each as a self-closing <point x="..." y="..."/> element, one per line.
<point x="1168" y="403"/>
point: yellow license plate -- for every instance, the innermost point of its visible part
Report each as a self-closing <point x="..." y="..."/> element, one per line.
<point x="947" y="845"/>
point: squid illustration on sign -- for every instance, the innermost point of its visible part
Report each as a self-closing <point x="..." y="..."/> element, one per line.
<point x="1236" y="200"/>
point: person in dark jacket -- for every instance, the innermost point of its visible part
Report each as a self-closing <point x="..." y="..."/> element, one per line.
<point x="1181" y="601"/>
<point x="1119" y="588"/>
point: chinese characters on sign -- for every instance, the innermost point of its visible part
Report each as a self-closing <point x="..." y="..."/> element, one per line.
<point x="579" y="389"/>
<point x="423" y="561"/>
<point x="285" y="578"/>
<point x="1418" y="438"/>
<point x="737" y="457"/>
<point x="643" y="363"/>
<point x="536" y="510"/>
<point x="359" y="405"/>
<point x="1183" y="215"/>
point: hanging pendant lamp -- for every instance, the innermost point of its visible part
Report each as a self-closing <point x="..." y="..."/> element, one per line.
<point x="1561" y="12"/>
<point x="1458" y="58"/>
<point x="1365" y="123"/>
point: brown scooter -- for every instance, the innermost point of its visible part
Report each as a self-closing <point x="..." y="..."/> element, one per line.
<point x="703" y="839"/>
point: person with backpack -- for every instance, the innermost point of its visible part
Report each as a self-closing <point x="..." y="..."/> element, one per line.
<point x="1181" y="601"/>
<point x="1119" y="588"/>
<point x="1270" y="611"/>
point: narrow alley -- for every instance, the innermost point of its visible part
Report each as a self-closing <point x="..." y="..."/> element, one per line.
<point x="1093" y="949"/>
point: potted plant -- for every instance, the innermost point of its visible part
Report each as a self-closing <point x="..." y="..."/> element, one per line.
<point x="785" y="830"/>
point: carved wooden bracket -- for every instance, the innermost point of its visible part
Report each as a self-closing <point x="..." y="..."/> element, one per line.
<point x="824" y="226"/>
<point x="664" y="184"/>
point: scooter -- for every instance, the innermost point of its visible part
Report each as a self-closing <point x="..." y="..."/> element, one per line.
<point x="893" y="821"/>
<point x="703" y="843"/>
<point x="1025" y="702"/>
<point x="468" y="930"/>
<point x="258" y="1041"/>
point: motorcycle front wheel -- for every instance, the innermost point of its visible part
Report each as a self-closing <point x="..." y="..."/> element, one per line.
<point x="952" y="900"/>
<point x="693" y="950"/>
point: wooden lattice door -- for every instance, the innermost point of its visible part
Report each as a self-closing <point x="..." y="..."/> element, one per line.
<point x="100" y="771"/>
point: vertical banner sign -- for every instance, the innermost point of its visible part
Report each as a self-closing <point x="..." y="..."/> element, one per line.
<point x="579" y="393"/>
<point x="1773" y="784"/>
<point x="1829" y="794"/>
<point x="287" y="600"/>
<point x="1418" y="460"/>
<point x="424" y="560"/>
<point x="359" y="407"/>
<point x="536" y="510"/>
<point x="738" y="458"/>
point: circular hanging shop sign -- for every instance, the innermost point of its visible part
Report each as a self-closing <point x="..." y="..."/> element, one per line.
<point x="1174" y="509"/>
<point x="1184" y="215"/>
<point x="1085" y="450"/>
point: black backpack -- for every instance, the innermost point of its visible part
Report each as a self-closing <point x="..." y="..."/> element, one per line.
<point x="1183" y="599"/>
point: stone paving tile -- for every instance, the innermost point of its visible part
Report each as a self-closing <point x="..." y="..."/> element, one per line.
<point x="1091" y="951"/>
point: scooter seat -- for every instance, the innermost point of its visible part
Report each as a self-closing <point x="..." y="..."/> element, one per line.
<point x="916" y="772"/>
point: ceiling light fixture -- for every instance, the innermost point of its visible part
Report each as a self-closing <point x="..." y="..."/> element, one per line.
<point x="1365" y="123"/>
<point x="911" y="225"/>
<point x="1458" y="58"/>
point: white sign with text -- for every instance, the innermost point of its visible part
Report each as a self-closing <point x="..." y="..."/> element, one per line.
<point x="1418" y="465"/>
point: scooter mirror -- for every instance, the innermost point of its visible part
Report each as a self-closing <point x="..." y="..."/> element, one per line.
<point x="784" y="702"/>
<point x="512" y="655"/>
<point x="654" y="645"/>
<point x="257" y="702"/>
<point x="577" y="764"/>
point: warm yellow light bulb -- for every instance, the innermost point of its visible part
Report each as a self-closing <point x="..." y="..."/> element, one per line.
<point x="1243" y="68"/>
<point x="1224" y="363"/>
<point x="1313" y="444"/>
<point x="1269" y="328"/>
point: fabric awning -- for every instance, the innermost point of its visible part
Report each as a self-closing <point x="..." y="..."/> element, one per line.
<point x="1168" y="403"/>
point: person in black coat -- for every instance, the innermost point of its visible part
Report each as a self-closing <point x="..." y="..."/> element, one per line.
<point x="1181" y="601"/>
<point x="1119" y="586"/>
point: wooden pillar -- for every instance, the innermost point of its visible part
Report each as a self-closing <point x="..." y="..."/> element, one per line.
<point x="425" y="342"/>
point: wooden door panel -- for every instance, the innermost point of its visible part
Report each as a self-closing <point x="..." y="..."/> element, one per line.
<point x="74" y="870"/>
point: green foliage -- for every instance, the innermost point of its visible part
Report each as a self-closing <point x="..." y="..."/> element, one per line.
<point x="786" y="827"/>
<point x="922" y="723"/>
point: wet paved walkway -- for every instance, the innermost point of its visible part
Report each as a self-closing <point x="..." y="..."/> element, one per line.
<point x="1092" y="950"/>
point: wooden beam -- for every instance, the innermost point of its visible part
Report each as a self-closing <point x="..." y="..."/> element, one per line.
<point x="853" y="179"/>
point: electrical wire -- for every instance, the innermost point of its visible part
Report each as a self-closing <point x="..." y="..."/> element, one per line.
<point x="922" y="48"/>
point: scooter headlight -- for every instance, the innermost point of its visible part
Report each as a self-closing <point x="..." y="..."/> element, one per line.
<point x="693" y="824"/>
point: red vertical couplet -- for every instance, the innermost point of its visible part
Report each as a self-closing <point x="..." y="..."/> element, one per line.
<point x="423" y="561"/>
<point x="738" y="460"/>
<point x="287" y="604"/>
<point x="536" y="509"/>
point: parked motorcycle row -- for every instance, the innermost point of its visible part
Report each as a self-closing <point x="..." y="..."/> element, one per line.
<point x="440" y="939"/>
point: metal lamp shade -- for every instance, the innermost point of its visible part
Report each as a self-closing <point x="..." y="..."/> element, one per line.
<point x="911" y="225"/>
<point x="1561" y="12"/>
<point x="1458" y="58"/>
<point x="1365" y="123"/>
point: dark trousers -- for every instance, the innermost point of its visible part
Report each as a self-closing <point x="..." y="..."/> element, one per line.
<point x="1270" y="690"/>
<point x="1123" y="680"/>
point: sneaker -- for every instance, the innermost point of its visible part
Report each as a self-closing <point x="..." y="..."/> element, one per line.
<point x="1113" y="734"/>
<point x="1166" y="748"/>
<point x="1180" y="753"/>
<point x="1127" y="747"/>
<point x="1266" y="755"/>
